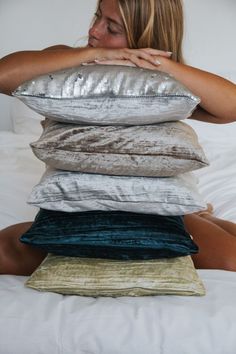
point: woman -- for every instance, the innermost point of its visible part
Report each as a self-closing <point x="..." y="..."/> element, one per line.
<point x="144" y="33"/>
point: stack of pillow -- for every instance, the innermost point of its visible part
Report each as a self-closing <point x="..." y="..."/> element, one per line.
<point x="118" y="180"/>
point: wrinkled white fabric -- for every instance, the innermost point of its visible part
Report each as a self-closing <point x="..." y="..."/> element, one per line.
<point x="75" y="191"/>
<point x="39" y="323"/>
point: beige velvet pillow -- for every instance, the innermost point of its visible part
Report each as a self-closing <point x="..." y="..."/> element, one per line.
<point x="97" y="277"/>
<point x="160" y="150"/>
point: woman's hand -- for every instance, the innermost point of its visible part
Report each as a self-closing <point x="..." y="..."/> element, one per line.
<point x="147" y="58"/>
<point x="142" y="63"/>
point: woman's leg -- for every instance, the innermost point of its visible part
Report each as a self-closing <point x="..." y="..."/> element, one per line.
<point x="217" y="245"/>
<point x="228" y="226"/>
<point x="15" y="257"/>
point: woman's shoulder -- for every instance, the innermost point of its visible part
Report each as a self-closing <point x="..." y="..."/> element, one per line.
<point x="58" y="46"/>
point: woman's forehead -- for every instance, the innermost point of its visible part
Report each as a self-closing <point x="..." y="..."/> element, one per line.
<point x="110" y="9"/>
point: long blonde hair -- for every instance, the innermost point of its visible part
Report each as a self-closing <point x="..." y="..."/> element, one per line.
<point x="155" y="24"/>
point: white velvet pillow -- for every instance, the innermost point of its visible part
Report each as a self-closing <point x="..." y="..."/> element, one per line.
<point x="75" y="191"/>
<point x="113" y="95"/>
<point x="158" y="150"/>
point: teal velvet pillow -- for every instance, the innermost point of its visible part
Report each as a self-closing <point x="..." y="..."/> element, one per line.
<point x="110" y="234"/>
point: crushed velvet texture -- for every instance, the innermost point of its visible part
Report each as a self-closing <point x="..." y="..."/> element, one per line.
<point x="108" y="95"/>
<point x="98" y="277"/>
<point x="111" y="235"/>
<point x="159" y="150"/>
<point x="75" y="191"/>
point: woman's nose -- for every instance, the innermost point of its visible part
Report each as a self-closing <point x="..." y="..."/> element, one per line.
<point x="97" y="29"/>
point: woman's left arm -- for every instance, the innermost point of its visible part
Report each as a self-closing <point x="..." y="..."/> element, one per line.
<point x="218" y="95"/>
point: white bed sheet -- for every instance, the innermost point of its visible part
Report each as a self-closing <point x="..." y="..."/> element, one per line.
<point x="217" y="183"/>
<point x="47" y="323"/>
<point x="39" y="323"/>
<point x="19" y="172"/>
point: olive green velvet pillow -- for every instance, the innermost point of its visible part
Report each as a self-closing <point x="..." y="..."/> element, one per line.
<point x="102" y="277"/>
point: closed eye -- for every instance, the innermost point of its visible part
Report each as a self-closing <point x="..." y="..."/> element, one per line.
<point x="111" y="31"/>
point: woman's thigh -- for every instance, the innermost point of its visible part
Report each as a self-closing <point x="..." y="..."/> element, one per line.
<point x="217" y="247"/>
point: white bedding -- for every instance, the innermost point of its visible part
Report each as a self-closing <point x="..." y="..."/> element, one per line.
<point x="47" y="323"/>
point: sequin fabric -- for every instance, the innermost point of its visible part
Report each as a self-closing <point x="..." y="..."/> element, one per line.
<point x="114" y="95"/>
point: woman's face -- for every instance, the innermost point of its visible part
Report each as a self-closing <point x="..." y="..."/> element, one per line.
<point x="108" y="30"/>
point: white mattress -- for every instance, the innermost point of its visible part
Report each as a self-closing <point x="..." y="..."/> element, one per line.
<point x="47" y="323"/>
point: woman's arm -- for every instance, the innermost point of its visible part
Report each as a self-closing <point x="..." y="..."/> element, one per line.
<point x="21" y="66"/>
<point x="204" y="116"/>
<point x="218" y="95"/>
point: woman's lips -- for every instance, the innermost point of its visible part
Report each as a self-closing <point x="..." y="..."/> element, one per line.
<point x="91" y="43"/>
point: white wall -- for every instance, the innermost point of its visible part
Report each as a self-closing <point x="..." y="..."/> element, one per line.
<point x="34" y="24"/>
<point x="210" y="35"/>
<point x="37" y="24"/>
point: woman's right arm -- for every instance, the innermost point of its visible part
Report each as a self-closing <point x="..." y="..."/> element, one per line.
<point x="21" y="66"/>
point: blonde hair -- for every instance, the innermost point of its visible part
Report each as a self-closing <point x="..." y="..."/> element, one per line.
<point x="155" y="24"/>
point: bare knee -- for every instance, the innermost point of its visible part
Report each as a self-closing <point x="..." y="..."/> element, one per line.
<point x="15" y="257"/>
<point x="16" y="229"/>
<point x="9" y="239"/>
<point x="217" y="247"/>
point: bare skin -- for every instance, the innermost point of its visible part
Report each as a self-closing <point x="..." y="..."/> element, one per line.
<point x="108" y="44"/>
<point x="216" y="239"/>
<point x="15" y="257"/>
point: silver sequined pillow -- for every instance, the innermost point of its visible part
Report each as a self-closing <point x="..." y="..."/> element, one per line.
<point x="113" y="95"/>
<point x="75" y="191"/>
<point x="164" y="149"/>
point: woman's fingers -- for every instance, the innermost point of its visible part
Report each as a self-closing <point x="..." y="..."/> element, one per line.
<point x="135" y="55"/>
<point x="115" y="62"/>
<point x="145" y="57"/>
<point x="152" y="51"/>
<point x="141" y="63"/>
